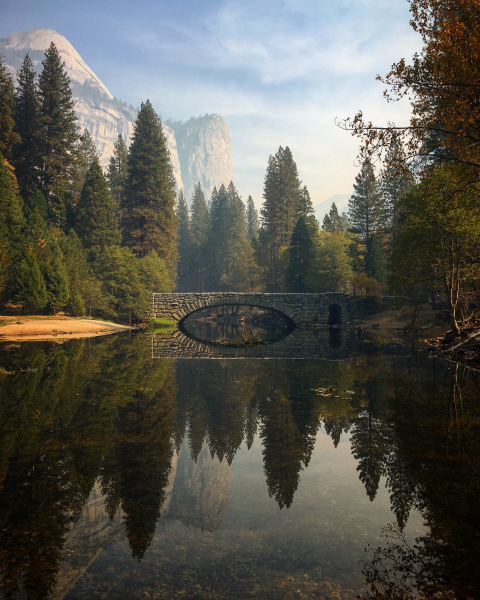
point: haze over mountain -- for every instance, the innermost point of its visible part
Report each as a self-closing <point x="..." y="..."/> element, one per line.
<point x="199" y="149"/>
<point x="341" y="201"/>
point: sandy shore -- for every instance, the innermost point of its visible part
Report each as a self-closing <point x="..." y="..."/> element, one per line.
<point x="54" y="328"/>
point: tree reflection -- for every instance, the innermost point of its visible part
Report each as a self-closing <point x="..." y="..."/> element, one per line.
<point x="62" y="412"/>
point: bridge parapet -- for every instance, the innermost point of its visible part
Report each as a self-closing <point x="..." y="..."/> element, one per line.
<point x="301" y="308"/>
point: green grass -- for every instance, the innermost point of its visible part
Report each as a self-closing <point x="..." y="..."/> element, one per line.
<point x="161" y="324"/>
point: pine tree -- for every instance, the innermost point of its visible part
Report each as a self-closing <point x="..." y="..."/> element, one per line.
<point x="300" y="257"/>
<point x="87" y="153"/>
<point x="57" y="126"/>
<point x="38" y="201"/>
<point x="374" y="263"/>
<point x="395" y="181"/>
<point x="305" y="210"/>
<point x="148" y="209"/>
<point x="26" y="153"/>
<point x="200" y="224"/>
<point x="31" y="292"/>
<point x="57" y="210"/>
<point x="8" y="136"/>
<point x="200" y="217"/>
<point x="55" y="275"/>
<point x="237" y="223"/>
<point x="282" y="197"/>
<point x="252" y="220"/>
<point x="95" y="223"/>
<point x="365" y="207"/>
<point x="11" y="215"/>
<point x="218" y="240"/>
<point x="184" y="244"/>
<point x="332" y="222"/>
<point x="11" y="224"/>
<point x="118" y="171"/>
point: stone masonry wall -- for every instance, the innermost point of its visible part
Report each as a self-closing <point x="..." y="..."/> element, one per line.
<point x="301" y="308"/>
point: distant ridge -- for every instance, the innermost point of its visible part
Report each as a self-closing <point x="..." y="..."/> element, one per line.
<point x="200" y="149"/>
<point x="341" y="200"/>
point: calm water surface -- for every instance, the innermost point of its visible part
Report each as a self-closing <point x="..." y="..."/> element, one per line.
<point x="125" y="476"/>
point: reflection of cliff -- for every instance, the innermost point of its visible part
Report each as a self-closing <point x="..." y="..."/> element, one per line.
<point x="86" y="539"/>
<point x="93" y="532"/>
<point x="200" y="491"/>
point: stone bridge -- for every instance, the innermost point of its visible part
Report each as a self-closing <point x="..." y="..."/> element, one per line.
<point x="299" y="309"/>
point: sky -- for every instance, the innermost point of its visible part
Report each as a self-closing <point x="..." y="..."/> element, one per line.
<point x="280" y="72"/>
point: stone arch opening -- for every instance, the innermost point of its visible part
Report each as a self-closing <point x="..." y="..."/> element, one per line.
<point x="290" y="323"/>
<point x="334" y="314"/>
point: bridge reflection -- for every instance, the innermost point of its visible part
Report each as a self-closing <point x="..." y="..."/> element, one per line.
<point x="300" y="344"/>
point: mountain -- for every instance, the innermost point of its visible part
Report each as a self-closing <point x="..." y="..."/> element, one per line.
<point x="341" y="200"/>
<point x="203" y="144"/>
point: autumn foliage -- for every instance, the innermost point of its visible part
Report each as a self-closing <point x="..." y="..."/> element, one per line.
<point x="442" y="83"/>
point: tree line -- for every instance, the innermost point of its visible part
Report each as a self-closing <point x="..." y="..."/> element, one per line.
<point x="435" y="246"/>
<point x="227" y="246"/>
<point x="72" y="238"/>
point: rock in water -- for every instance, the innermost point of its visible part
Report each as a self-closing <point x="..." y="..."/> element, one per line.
<point x="204" y="144"/>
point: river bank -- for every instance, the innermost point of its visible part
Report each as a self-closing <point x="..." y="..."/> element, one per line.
<point x="37" y="328"/>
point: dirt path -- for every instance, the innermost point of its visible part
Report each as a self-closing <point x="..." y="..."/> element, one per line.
<point x="54" y="328"/>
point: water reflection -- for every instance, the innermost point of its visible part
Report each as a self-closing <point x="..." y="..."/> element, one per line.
<point x="103" y="450"/>
<point x="237" y="324"/>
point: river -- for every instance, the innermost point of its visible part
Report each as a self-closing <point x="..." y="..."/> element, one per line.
<point x="129" y="472"/>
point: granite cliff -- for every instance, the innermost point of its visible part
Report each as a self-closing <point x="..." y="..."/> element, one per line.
<point x="199" y="149"/>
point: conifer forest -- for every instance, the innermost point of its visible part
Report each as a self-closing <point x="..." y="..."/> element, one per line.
<point x="84" y="241"/>
<point x="288" y="405"/>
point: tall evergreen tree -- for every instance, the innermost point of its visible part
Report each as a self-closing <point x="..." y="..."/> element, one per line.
<point x="57" y="126"/>
<point x="200" y="224"/>
<point x="148" y="209"/>
<point x="87" y="153"/>
<point x="11" y="224"/>
<point x="95" y="223"/>
<point x="218" y="239"/>
<point x="26" y="153"/>
<point x="332" y="221"/>
<point x="11" y="215"/>
<point x="395" y="182"/>
<point x="118" y="171"/>
<point x="282" y="197"/>
<point x="300" y="257"/>
<point x="305" y="210"/>
<point x="252" y="220"/>
<point x="237" y="223"/>
<point x="199" y="215"/>
<point x="374" y="263"/>
<point x="30" y="285"/>
<point x="365" y="207"/>
<point x="8" y="136"/>
<point x="184" y="244"/>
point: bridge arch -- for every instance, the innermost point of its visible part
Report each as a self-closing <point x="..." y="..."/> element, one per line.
<point x="335" y="314"/>
<point x="289" y="321"/>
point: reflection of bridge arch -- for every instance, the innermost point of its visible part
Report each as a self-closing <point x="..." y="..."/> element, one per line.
<point x="302" y="343"/>
<point x="300" y="308"/>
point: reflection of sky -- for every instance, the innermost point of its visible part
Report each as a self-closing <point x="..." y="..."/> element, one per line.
<point x="323" y="533"/>
<point x="278" y="71"/>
